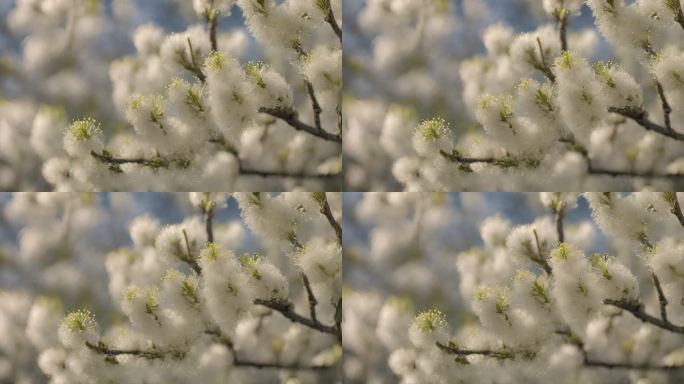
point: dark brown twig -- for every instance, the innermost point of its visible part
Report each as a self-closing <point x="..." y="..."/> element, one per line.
<point x="310" y="296"/>
<point x="542" y="65"/>
<point x="676" y="208"/>
<point x="563" y="18"/>
<point x="314" y="104"/>
<point x="598" y="171"/>
<point x="290" y="117"/>
<point x="101" y="349"/>
<point x="662" y="300"/>
<point x="189" y="258"/>
<point x="208" y="212"/>
<point x="327" y="212"/>
<point x="637" y="309"/>
<point x="295" y="175"/>
<point x="330" y="19"/>
<point x="541" y="260"/>
<point x="560" y="215"/>
<point x="286" y="309"/>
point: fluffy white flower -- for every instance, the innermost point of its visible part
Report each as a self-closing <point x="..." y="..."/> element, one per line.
<point x="78" y="328"/>
<point x="428" y="328"/>
<point x="83" y="137"/>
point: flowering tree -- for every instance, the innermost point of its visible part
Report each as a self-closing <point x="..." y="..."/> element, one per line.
<point x="187" y="307"/>
<point x="399" y="58"/>
<point x="199" y="118"/>
<point x="537" y="306"/>
<point x="51" y="252"/>
<point x="53" y="64"/>
<point x="552" y="116"/>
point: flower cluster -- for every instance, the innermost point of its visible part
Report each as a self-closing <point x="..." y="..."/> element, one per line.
<point x="202" y="119"/>
<point x="552" y="112"/>
<point x="194" y="306"/>
<point x="188" y="111"/>
<point x="538" y="305"/>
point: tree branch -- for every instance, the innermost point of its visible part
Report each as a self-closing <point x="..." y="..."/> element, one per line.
<point x="453" y="350"/>
<point x="597" y="171"/>
<point x="310" y="296"/>
<point x="287" y="310"/>
<point x="327" y="212"/>
<point x="290" y="117"/>
<point x="160" y="162"/>
<point x="330" y="19"/>
<point x="239" y="362"/>
<point x="314" y="104"/>
<point x="261" y="365"/>
<point x="588" y="362"/>
<point x="106" y="157"/>
<point x="208" y="213"/>
<point x="506" y="162"/>
<point x="543" y="66"/>
<point x="296" y="175"/>
<point x="102" y="349"/>
<point x="637" y="309"/>
<point x="679" y="15"/>
<point x="662" y="300"/>
<point x="192" y="66"/>
<point x="563" y="18"/>
<point x="676" y="209"/>
<point x="211" y="17"/>
<point x="560" y="215"/>
<point x="640" y="117"/>
<point x="189" y="258"/>
<point x="541" y="259"/>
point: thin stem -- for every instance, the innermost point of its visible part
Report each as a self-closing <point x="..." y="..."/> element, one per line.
<point x="290" y="117"/>
<point x="560" y="215"/>
<point x="505" y="162"/>
<point x="667" y="109"/>
<point x="676" y="208"/>
<point x="107" y="158"/>
<point x="563" y="18"/>
<point x="261" y="365"/>
<point x="542" y="66"/>
<point x="679" y="15"/>
<point x="296" y="175"/>
<point x="453" y="350"/>
<point x="314" y="104"/>
<point x="338" y="109"/>
<point x="133" y="352"/>
<point x="598" y="171"/>
<point x="310" y="296"/>
<point x="458" y="158"/>
<point x="240" y="362"/>
<point x="156" y="163"/>
<point x="192" y="65"/>
<point x="208" y="220"/>
<point x="286" y="309"/>
<point x="330" y="19"/>
<point x="541" y="259"/>
<point x="662" y="300"/>
<point x="588" y="362"/>
<point x="212" y="19"/>
<point x="637" y="309"/>
<point x="189" y="258"/>
<point x="327" y="212"/>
